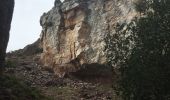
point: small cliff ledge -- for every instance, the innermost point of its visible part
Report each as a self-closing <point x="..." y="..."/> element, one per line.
<point x="75" y="30"/>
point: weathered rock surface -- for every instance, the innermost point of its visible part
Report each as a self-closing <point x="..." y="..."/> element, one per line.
<point x="6" y="11"/>
<point x="76" y="29"/>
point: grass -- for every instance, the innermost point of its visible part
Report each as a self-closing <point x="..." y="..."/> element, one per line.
<point x="13" y="89"/>
<point x="62" y="93"/>
<point x="11" y="63"/>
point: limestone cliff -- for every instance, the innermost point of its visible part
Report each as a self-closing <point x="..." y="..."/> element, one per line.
<point x="76" y="29"/>
<point x="6" y="11"/>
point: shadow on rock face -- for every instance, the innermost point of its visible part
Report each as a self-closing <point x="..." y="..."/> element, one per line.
<point x="94" y="73"/>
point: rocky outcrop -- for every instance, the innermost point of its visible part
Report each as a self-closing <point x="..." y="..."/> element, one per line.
<point x="6" y="11"/>
<point x="32" y="49"/>
<point x="77" y="29"/>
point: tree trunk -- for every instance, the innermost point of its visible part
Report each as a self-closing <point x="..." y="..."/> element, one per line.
<point x="6" y="12"/>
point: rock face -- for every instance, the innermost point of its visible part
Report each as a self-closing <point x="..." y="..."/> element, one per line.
<point x="76" y="29"/>
<point x="6" y="12"/>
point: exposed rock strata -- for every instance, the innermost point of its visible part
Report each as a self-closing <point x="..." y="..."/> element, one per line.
<point x="76" y="29"/>
<point x="6" y="11"/>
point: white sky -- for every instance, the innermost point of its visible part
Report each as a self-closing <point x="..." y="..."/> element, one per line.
<point x="25" y="28"/>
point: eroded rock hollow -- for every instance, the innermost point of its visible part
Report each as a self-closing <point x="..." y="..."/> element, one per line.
<point x="6" y="12"/>
<point x="75" y="31"/>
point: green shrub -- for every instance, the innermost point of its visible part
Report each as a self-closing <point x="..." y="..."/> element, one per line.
<point x="13" y="89"/>
<point x="11" y="64"/>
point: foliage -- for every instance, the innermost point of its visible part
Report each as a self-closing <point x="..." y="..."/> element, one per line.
<point x="145" y="68"/>
<point x="11" y="64"/>
<point x="13" y="89"/>
<point x="120" y="44"/>
<point x="142" y="5"/>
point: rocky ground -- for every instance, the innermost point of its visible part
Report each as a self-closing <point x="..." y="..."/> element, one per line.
<point x="68" y="88"/>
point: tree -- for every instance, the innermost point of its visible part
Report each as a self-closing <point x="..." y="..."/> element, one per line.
<point x="145" y="73"/>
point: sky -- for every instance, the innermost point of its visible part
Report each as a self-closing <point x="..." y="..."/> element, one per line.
<point x="25" y="27"/>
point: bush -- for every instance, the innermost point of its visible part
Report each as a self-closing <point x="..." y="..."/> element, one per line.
<point x="13" y="89"/>
<point x="11" y="64"/>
